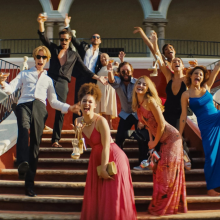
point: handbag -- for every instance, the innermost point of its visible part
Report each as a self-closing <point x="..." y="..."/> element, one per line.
<point x="111" y="169"/>
<point x="78" y="144"/>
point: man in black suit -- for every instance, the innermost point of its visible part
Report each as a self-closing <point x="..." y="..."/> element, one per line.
<point x="90" y="54"/>
<point x="62" y="62"/>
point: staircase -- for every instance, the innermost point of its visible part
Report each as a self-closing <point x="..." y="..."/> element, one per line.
<point x="60" y="183"/>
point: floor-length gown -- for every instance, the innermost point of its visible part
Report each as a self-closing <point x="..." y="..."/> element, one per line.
<point x="108" y="199"/>
<point x="208" y="118"/>
<point x="169" y="189"/>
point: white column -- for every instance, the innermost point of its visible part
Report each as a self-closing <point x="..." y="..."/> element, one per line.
<point x="161" y="34"/>
<point x="60" y="26"/>
<point x="148" y="29"/>
<point x="49" y="29"/>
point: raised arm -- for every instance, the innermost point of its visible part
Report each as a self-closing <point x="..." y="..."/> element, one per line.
<point x="41" y="19"/>
<point x="13" y="85"/>
<point x="155" y="109"/>
<point x="121" y="56"/>
<point x="213" y="75"/>
<point x="103" y="128"/>
<point x="153" y="46"/>
<point x="75" y="42"/>
<point x="184" y="105"/>
<point x="111" y="77"/>
<point x="86" y="72"/>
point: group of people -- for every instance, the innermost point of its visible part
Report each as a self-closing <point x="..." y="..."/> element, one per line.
<point x="156" y="126"/>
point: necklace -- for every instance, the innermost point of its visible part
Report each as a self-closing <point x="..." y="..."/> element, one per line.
<point x="86" y="124"/>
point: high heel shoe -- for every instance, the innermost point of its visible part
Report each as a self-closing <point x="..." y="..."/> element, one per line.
<point x="154" y="67"/>
<point x="187" y="161"/>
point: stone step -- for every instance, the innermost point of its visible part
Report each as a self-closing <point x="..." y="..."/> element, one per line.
<point x="74" y="203"/>
<point x="81" y="164"/>
<point x="67" y="142"/>
<point x="52" y="152"/>
<point x="68" y="133"/>
<point x="196" y="175"/>
<point x="39" y="215"/>
<point x="77" y="188"/>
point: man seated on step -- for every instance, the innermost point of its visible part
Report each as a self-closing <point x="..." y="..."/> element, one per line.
<point x="31" y="113"/>
<point x="124" y="85"/>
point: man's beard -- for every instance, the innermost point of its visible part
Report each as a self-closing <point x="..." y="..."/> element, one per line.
<point x="125" y="80"/>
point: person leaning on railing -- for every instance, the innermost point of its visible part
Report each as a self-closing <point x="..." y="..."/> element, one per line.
<point x="31" y="113"/>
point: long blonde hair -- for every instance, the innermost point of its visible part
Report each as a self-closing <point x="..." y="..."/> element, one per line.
<point x="151" y="93"/>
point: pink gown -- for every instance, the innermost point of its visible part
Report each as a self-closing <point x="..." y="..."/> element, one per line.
<point x="108" y="199"/>
<point x="169" y="190"/>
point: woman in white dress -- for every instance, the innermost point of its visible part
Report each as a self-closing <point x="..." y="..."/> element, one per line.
<point x="107" y="106"/>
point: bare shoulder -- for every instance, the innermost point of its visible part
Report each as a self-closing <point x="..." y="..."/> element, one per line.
<point x="185" y="95"/>
<point x="101" y="124"/>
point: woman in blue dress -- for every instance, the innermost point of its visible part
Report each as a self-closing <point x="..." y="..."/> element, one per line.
<point x="199" y="99"/>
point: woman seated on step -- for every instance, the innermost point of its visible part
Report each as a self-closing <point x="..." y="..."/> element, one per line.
<point x="169" y="190"/>
<point x="200" y="100"/>
<point x="105" y="197"/>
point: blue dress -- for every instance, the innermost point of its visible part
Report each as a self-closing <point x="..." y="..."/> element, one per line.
<point x="208" y="118"/>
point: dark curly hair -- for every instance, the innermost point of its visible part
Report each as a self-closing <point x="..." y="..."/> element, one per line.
<point x="91" y="89"/>
<point x="191" y="71"/>
<point x="65" y="31"/>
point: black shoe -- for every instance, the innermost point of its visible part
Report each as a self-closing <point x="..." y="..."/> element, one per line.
<point x="22" y="170"/>
<point x="30" y="192"/>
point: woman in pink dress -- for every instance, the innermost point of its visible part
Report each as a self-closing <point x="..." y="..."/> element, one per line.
<point x="169" y="190"/>
<point x="105" y="197"/>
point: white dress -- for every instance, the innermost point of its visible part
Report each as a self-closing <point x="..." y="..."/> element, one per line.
<point x="108" y="103"/>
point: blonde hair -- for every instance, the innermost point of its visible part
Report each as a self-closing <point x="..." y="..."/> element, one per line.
<point x="44" y="49"/>
<point x="151" y="93"/>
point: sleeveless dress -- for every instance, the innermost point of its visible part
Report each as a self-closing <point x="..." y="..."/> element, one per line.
<point x="173" y="104"/>
<point x="208" y="118"/>
<point x="169" y="191"/>
<point x="108" y="103"/>
<point x="108" y="199"/>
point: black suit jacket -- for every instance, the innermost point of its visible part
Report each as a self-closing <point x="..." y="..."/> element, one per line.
<point x="82" y="47"/>
<point x="73" y="60"/>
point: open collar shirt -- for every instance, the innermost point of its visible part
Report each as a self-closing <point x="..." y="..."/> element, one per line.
<point x="90" y="59"/>
<point x="32" y="88"/>
<point x="125" y="96"/>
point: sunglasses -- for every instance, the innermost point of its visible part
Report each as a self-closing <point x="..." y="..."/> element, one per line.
<point x="64" y="39"/>
<point x="39" y="57"/>
<point x="95" y="37"/>
<point x="123" y="72"/>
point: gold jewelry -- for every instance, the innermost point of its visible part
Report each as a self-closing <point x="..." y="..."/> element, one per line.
<point x="86" y="124"/>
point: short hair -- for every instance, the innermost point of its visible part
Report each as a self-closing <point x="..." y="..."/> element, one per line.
<point x="65" y="31"/>
<point x="123" y="64"/>
<point x="90" y="89"/>
<point x="93" y="35"/>
<point x="191" y="71"/>
<point x="44" y="49"/>
<point x="165" y="45"/>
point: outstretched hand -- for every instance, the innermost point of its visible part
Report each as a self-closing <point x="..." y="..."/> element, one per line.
<point x="138" y="30"/>
<point x="41" y="19"/>
<point x="153" y="36"/>
<point x="67" y="20"/>
<point x="103" y="80"/>
<point x="75" y="108"/>
<point x="3" y="77"/>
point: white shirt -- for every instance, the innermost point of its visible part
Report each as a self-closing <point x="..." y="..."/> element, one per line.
<point x="90" y="59"/>
<point x="34" y="88"/>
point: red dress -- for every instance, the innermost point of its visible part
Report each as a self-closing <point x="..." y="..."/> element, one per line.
<point x="108" y="199"/>
<point x="169" y="190"/>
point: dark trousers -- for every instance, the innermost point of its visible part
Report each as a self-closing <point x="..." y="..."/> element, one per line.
<point x="62" y="89"/>
<point x="30" y="116"/>
<point x="124" y="126"/>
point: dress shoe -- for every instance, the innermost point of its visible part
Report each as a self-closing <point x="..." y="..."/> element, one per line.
<point x="22" y="170"/>
<point x="30" y="192"/>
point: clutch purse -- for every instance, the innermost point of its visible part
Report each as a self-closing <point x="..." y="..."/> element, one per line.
<point x="78" y="144"/>
<point x="111" y="169"/>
